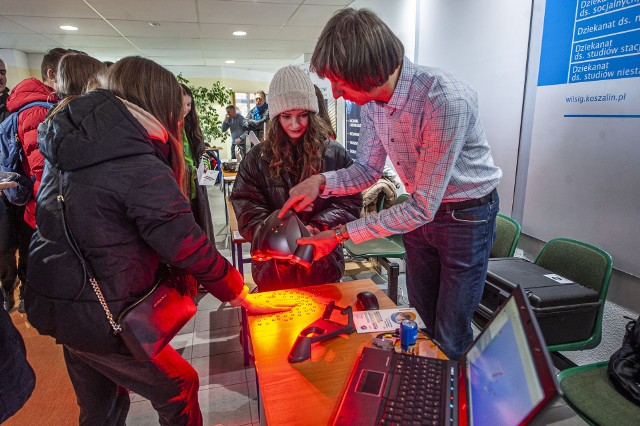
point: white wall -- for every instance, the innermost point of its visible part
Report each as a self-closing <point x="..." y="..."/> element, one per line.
<point x="484" y="43"/>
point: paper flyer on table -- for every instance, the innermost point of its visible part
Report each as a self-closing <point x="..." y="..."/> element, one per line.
<point x="384" y="320"/>
<point x="206" y="178"/>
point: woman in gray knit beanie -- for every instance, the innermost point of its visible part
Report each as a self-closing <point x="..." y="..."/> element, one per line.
<point x="297" y="145"/>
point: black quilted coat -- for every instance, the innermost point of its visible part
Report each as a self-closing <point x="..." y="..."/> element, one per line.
<point x="127" y="214"/>
<point x="256" y="194"/>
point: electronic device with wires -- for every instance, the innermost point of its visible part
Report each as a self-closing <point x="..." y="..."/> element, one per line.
<point x="320" y="330"/>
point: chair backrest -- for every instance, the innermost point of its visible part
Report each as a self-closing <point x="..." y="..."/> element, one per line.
<point x="580" y="262"/>
<point x="585" y="264"/>
<point x="507" y="234"/>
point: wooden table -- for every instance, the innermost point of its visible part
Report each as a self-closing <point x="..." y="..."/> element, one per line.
<point x="306" y="393"/>
<point x="236" y="239"/>
<point x="227" y="180"/>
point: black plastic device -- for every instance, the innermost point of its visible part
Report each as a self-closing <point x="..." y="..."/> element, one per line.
<point x="277" y="239"/>
<point x="367" y="301"/>
<point x="320" y="330"/>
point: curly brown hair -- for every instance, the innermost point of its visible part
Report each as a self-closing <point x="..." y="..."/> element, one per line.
<point x="302" y="160"/>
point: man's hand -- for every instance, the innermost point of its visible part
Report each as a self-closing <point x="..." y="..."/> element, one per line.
<point x="324" y="243"/>
<point x="237" y="141"/>
<point x="7" y="185"/>
<point x="303" y="194"/>
<point x="256" y="306"/>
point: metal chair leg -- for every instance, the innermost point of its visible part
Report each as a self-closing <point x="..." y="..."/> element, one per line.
<point x="393" y="269"/>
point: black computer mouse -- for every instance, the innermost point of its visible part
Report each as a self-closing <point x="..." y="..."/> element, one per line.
<point x="367" y="301"/>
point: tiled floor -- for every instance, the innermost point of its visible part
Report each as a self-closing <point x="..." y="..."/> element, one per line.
<point x="210" y="343"/>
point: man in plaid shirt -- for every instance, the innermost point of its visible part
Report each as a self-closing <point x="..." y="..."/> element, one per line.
<point x="427" y="122"/>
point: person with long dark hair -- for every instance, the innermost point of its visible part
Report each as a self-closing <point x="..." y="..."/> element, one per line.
<point x="114" y="157"/>
<point x="297" y="146"/>
<point x="194" y="154"/>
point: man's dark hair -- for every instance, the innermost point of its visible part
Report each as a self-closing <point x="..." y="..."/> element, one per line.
<point x="357" y="47"/>
<point x="231" y="107"/>
<point x="51" y="60"/>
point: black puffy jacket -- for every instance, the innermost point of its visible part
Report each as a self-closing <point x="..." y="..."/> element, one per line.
<point x="127" y="214"/>
<point x="256" y="194"/>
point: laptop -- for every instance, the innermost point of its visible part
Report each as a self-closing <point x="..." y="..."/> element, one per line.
<point x="504" y="378"/>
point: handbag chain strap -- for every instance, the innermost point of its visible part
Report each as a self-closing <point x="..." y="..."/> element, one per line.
<point x="85" y="266"/>
<point x="96" y="288"/>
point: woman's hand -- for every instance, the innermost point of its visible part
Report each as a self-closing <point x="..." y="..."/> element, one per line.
<point x="7" y="185"/>
<point x="256" y="306"/>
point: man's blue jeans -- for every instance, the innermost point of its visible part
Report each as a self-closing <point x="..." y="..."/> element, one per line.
<point x="446" y="268"/>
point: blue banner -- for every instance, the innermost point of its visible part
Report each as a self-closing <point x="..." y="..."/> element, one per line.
<point x="588" y="40"/>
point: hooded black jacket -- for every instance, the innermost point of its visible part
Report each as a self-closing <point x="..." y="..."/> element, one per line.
<point x="256" y="194"/>
<point x="126" y="213"/>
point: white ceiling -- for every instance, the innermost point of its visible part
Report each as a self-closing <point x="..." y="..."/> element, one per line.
<point x="191" y="32"/>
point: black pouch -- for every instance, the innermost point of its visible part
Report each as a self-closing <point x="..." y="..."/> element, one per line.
<point x="624" y="364"/>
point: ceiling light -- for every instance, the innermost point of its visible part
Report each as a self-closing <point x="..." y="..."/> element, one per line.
<point x="68" y="28"/>
<point x="229" y="61"/>
<point x="239" y="33"/>
<point x="154" y="24"/>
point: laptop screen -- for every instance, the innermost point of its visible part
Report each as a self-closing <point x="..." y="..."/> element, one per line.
<point x="502" y="374"/>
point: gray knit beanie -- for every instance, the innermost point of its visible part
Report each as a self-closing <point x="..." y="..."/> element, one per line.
<point x="290" y="89"/>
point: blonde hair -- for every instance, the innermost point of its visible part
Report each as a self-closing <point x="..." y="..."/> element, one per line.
<point x="77" y="73"/>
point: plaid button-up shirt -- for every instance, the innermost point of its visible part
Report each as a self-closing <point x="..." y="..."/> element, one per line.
<point x="432" y="133"/>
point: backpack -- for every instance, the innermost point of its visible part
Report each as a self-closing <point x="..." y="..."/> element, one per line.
<point x="624" y="365"/>
<point x="11" y="155"/>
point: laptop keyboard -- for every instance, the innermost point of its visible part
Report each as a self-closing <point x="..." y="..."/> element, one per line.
<point x="415" y="393"/>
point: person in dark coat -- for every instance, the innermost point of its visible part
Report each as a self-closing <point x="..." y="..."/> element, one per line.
<point x="18" y="378"/>
<point x="194" y="154"/>
<point x="297" y="146"/>
<point x="114" y="156"/>
<point x="22" y="219"/>
<point x="258" y="117"/>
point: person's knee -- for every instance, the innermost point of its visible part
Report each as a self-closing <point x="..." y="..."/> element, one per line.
<point x="192" y="383"/>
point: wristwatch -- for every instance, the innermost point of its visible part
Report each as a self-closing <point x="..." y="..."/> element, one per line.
<point x="341" y="234"/>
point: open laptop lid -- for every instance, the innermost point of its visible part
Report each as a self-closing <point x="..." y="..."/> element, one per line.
<point x="507" y="372"/>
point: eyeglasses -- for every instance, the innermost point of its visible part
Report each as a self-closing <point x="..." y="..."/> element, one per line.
<point x="258" y="99"/>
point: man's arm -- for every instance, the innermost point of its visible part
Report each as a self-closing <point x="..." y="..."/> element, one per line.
<point x="443" y="138"/>
<point x="225" y="124"/>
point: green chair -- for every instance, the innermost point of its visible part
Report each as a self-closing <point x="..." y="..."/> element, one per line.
<point x="588" y="390"/>
<point x="383" y="249"/>
<point x="587" y="265"/>
<point x="507" y="234"/>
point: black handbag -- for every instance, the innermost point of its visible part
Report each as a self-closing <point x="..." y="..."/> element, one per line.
<point x="624" y="364"/>
<point x="147" y="325"/>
